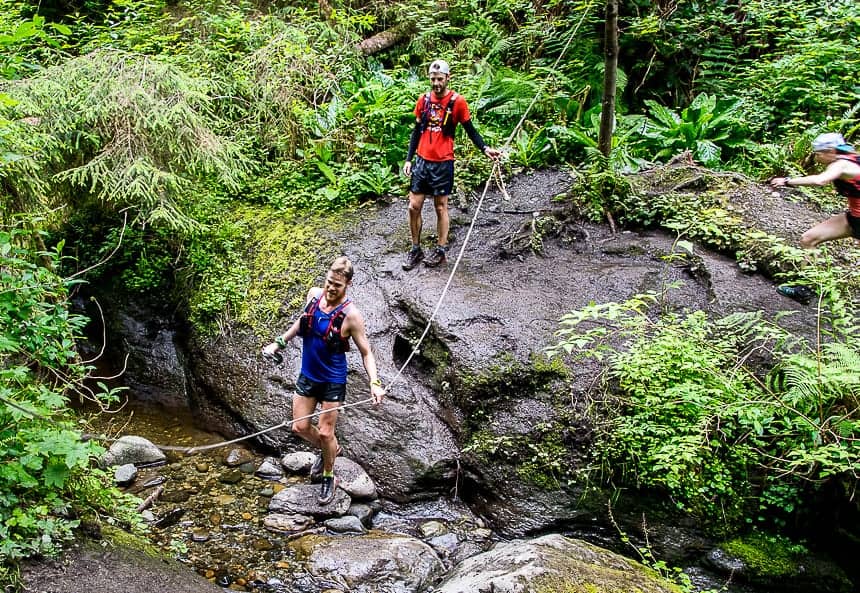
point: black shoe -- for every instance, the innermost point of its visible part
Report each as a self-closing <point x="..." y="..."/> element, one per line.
<point x="317" y="467"/>
<point x="436" y="258"/>
<point x="328" y="487"/>
<point x="413" y="258"/>
<point x="801" y="294"/>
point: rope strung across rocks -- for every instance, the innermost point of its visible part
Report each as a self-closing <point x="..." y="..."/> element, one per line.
<point x="284" y="424"/>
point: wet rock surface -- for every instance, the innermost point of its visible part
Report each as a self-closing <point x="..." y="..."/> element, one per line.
<point x="96" y="568"/>
<point x="551" y="564"/>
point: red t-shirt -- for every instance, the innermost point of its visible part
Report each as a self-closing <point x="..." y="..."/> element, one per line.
<point x="434" y="145"/>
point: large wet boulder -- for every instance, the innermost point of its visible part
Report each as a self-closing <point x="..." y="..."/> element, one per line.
<point x="375" y="563"/>
<point x="144" y="338"/>
<point x="551" y="564"/>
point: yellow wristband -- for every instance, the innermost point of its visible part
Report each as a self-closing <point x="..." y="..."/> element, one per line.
<point x="376" y="382"/>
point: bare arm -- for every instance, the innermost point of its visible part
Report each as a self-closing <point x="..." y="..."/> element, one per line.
<point x="354" y="328"/>
<point x="293" y="330"/>
<point x="834" y="170"/>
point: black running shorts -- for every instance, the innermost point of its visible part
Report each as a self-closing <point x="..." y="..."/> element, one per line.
<point x="324" y="392"/>
<point x="432" y="178"/>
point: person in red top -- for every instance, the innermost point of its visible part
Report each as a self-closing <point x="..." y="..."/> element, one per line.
<point x="437" y="114"/>
<point x="842" y="168"/>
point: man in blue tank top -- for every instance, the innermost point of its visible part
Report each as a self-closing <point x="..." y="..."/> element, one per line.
<point x="329" y="322"/>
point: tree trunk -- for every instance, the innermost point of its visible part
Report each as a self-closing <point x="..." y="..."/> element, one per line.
<point x="610" y="78"/>
<point x="384" y="39"/>
<point x="325" y="10"/>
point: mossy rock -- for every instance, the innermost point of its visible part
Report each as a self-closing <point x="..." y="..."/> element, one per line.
<point x="553" y="564"/>
<point x="776" y="563"/>
<point x="120" y="562"/>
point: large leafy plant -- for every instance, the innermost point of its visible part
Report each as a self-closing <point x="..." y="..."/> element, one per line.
<point x="706" y="128"/>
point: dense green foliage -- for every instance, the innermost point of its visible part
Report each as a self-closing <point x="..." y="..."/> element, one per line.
<point x="698" y="409"/>
<point x="195" y="146"/>
<point x="47" y="479"/>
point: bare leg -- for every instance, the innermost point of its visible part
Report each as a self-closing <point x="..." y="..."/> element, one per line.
<point x="442" y="222"/>
<point x="835" y="227"/>
<point x="328" y="440"/>
<point x="416" y="203"/>
<point x="303" y="406"/>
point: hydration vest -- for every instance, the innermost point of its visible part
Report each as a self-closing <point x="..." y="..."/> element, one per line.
<point x="448" y="123"/>
<point x="850" y="188"/>
<point x="332" y="337"/>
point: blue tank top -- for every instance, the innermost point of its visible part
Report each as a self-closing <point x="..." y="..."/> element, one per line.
<point x="319" y="363"/>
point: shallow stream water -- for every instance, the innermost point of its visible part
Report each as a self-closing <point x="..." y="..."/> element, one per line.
<point x="210" y="515"/>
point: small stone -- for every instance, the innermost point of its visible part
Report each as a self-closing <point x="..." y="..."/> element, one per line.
<point x="125" y="474"/>
<point x="270" y="469"/>
<point x="345" y="524"/>
<point x="215" y="519"/>
<point x="202" y="467"/>
<point x="432" y="529"/>
<point x="361" y="511"/>
<point x="247" y="516"/>
<point x="445" y="545"/>
<point x="176" y="495"/>
<point x="225" y="499"/>
<point x="231" y="477"/>
<point x="170" y="518"/>
<point x="237" y="457"/>
<point x="262" y="545"/>
<point x="287" y="523"/>
<point x="199" y="535"/>
<point x="148" y="516"/>
<point x="247" y="468"/>
<point x="299" y="462"/>
<point x="268" y="491"/>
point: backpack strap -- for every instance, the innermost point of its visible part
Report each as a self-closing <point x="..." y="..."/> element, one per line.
<point x="333" y="337"/>
<point x="306" y="320"/>
<point x="338" y="313"/>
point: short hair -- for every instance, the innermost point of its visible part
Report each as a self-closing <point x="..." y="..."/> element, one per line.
<point x="342" y="266"/>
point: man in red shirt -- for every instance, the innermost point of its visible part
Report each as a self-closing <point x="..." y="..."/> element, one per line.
<point x="437" y="114"/>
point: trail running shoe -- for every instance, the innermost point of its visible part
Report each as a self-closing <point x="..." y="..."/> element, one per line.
<point x="801" y="294"/>
<point x="413" y="258"/>
<point x="328" y="487"/>
<point x="436" y="258"/>
<point x="317" y="467"/>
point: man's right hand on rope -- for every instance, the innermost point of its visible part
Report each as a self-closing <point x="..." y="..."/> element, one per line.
<point x="493" y="153"/>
